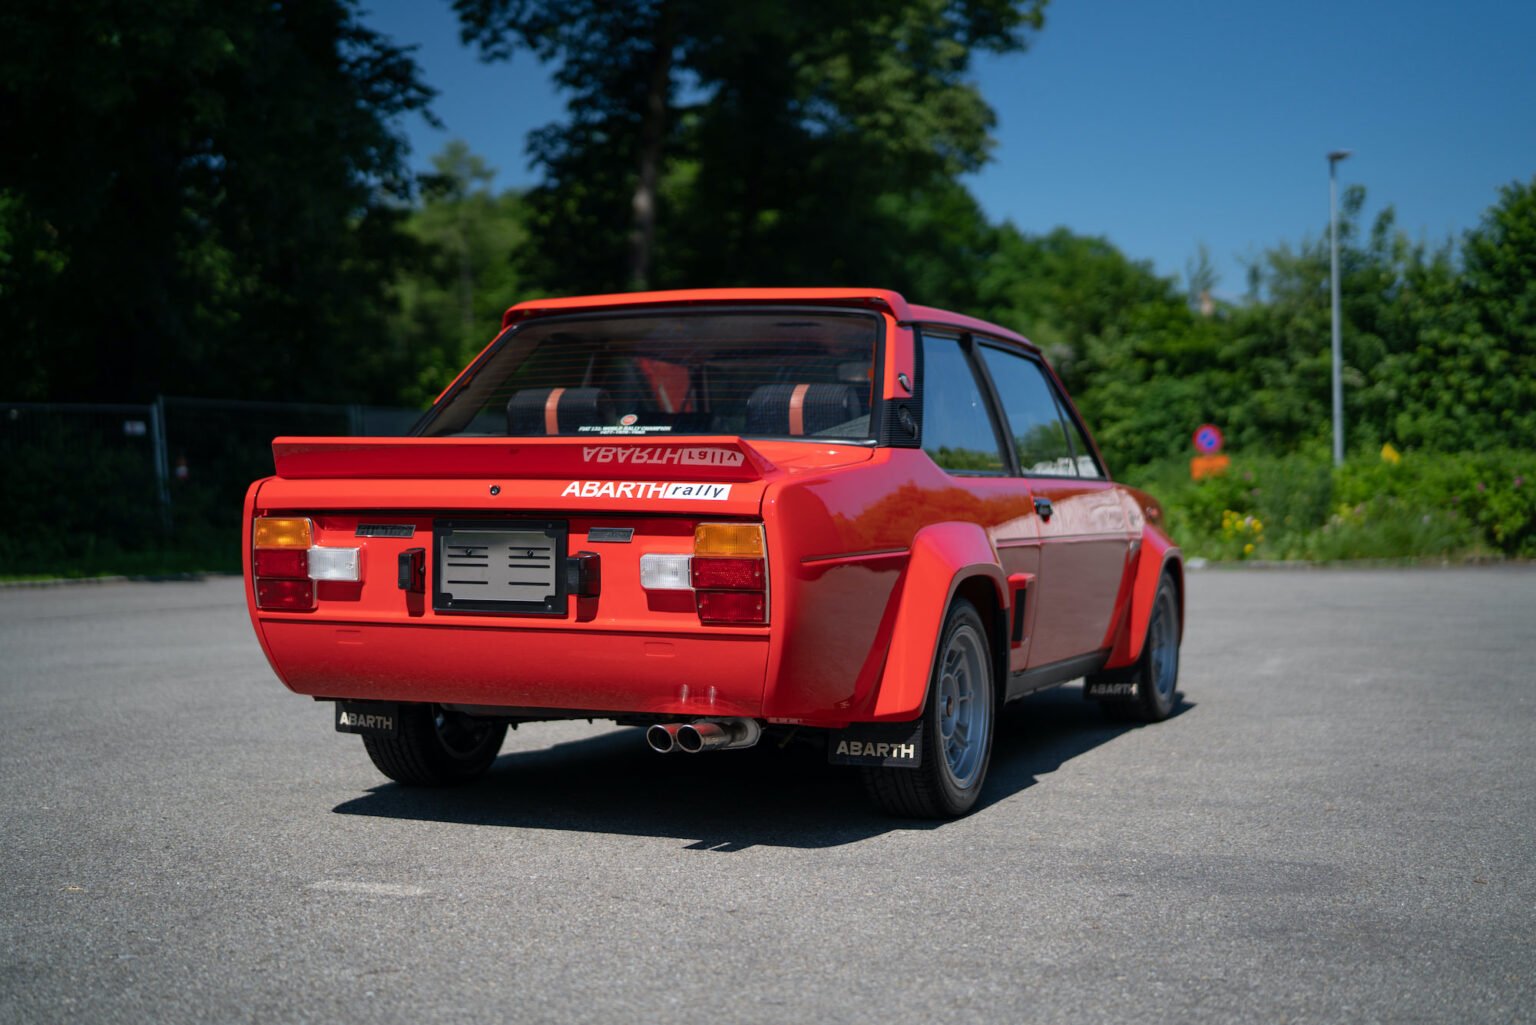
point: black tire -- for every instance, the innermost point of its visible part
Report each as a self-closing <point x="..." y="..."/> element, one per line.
<point x="958" y="722"/>
<point x="436" y="747"/>
<point x="1156" y="674"/>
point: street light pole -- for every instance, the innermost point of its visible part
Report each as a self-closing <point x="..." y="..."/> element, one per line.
<point x="1338" y="346"/>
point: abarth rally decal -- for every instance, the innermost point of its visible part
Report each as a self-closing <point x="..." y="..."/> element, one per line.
<point x="662" y="456"/>
<point x="645" y="489"/>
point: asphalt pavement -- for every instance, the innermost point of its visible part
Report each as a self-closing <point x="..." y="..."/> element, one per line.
<point x="1338" y="825"/>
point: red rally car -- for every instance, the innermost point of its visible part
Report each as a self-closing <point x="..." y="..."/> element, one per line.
<point x="712" y="514"/>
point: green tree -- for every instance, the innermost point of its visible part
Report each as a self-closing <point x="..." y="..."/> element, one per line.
<point x="1459" y="371"/>
<point x="450" y="298"/>
<point x="1435" y="358"/>
<point x="198" y="198"/>
<point x="745" y="143"/>
<point x="1439" y="347"/>
<point x="1501" y="268"/>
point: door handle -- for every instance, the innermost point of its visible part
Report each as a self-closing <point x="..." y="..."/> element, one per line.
<point x="1044" y="508"/>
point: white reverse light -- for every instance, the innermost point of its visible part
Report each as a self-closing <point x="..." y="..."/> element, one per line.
<point x="666" y="572"/>
<point x="335" y="564"/>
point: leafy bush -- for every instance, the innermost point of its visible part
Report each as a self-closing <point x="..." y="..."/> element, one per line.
<point x="1494" y="492"/>
<point x="1424" y="505"/>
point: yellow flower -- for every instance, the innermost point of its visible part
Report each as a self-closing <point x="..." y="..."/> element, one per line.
<point x="1390" y="454"/>
<point x="1248" y="548"/>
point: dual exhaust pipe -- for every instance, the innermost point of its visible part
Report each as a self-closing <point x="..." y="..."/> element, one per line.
<point x="703" y="735"/>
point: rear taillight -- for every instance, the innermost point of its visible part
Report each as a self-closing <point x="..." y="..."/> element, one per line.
<point x="665" y="572"/>
<point x="286" y="563"/>
<point x="733" y="606"/>
<point x="745" y="539"/>
<point x="335" y="564"/>
<point x="290" y="595"/>
<point x="728" y="573"/>
<point x="282" y="532"/>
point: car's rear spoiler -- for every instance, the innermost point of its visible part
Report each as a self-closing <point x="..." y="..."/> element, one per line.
<point x="629" y="458"/>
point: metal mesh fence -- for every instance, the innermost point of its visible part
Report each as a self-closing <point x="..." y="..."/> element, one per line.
<point x="96" y="487"/>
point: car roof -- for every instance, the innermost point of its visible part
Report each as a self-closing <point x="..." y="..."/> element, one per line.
<point x="877" y="298"/>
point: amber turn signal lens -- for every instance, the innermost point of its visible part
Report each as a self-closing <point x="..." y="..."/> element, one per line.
<point x="282" y="532"/>
<point x="728" y="539"/>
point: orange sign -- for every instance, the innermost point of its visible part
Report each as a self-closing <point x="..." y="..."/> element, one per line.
<point x="1201" y="467"/>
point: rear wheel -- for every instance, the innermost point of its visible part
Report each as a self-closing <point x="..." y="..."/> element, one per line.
<point x="957" y="729"/>
<point x="1156" y="675"/>
<point x="436" y="747"/>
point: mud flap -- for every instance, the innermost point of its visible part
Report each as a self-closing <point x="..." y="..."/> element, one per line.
<point x="893" y="745"/>
<point x="371" y="718"/>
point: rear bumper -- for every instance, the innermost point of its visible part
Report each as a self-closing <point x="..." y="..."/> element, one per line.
<point x="610" y="671"/>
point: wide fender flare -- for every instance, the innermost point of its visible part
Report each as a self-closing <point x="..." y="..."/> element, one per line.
<point x="1157" y="555"/>
<point x="943" y="557"/>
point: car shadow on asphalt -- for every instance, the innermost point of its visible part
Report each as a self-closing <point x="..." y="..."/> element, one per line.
<point x="770" y="795"/>
<point x="1041" y="733"/>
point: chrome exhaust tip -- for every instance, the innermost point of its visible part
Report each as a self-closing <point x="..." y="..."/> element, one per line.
<point x="662" y="737"/>
<point x="718" y="735"/>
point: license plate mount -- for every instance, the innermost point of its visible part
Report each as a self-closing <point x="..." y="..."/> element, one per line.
<point x="507" y="566"/>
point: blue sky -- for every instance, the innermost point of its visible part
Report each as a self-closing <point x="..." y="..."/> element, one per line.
<point x="1162" y="126"/>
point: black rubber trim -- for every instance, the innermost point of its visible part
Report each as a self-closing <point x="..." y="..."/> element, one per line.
<point x="1028" y="681"/>
<point x="891" y="428"/>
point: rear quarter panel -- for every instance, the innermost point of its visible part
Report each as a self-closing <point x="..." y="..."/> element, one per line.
<point x="848" y="582"/>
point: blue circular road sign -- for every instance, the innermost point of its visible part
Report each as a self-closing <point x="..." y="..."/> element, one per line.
<point x="1208" y="439"/>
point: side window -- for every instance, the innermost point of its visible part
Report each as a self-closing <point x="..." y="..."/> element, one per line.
<point x="1087" y="466"/>
<point x="1033" y="417"/>
<point x="957" y="427"/>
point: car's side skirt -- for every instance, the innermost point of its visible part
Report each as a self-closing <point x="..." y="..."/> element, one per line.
<point x="1036" y="678"/>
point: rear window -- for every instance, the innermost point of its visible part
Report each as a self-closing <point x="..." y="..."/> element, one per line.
<point x="758" y="373"/>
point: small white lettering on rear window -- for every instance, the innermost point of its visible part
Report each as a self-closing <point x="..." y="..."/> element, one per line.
<point x="613" y="429"/>
<point x="668" y="490"/>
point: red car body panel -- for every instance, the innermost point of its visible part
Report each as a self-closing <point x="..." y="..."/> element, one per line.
<point x="866" y="547"/>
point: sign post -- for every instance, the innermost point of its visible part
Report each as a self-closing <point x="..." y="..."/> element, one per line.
<point x="1211" y="462"/>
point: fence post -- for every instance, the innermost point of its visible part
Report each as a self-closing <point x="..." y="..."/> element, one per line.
<point x="162" y="462"/>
